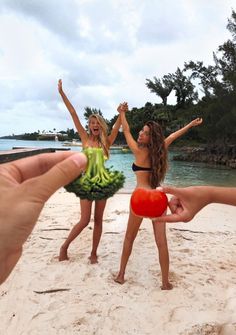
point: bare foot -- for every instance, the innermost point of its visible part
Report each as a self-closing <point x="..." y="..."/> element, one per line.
<point x="167" y="286"/>
<point x="63" y="254"/>
<point x="93" y="259"/>
<point x="119" y="279"/>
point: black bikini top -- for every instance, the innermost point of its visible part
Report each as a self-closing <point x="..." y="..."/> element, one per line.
<point x="140" y="168"/>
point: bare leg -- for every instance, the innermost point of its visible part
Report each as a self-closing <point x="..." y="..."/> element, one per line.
<point x="161" y="242"/>
<point x="97" y="232"/>
<point x="85" y="206"/>
<point x="134" y="223"/>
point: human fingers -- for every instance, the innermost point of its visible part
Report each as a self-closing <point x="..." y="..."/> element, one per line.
<point x="42" y="187"/>
<point x="171" y="190"/>
<point x="59" y="85"/>
<point x="197" y="122"/>
<point x="178" y="213"/>
<point x="184" y="216"/>
<point x="174" y="204"/>
<point x="25" y="168"/>
<point x="119" y="108"/>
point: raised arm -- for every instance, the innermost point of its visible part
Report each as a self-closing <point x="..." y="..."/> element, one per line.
<point x="172" y="137"/>
<point x="122" y="109"/>
<point x="82" y="132"/>
<point x="114" y="131"/>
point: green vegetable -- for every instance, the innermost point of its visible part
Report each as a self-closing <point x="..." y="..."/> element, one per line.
<point x="98" y="182"/>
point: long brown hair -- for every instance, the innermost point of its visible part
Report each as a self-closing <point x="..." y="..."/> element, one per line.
<point x="158" y="154"/>
<point x="103" y="137"/>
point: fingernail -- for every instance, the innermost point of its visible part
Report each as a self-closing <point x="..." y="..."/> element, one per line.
<point x="80" y="159"/>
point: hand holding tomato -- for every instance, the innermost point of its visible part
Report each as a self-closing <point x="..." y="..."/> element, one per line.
<point x="148" y="202"/>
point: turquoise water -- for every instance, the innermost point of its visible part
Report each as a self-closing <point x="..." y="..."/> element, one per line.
<point x="179" y="174"/>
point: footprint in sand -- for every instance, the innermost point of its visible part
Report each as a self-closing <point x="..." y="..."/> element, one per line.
<point x="119" y="212"/>
<point x="185" y="250"/>
<point x="89" y="274"/>
<point x="80" y="321"/>
<point x="205" y="329"/>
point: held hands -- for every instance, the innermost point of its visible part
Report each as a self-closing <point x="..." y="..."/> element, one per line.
<point x="25" y="186"/>
<point x="196" y="122"/>
<point x="123" y="107"/>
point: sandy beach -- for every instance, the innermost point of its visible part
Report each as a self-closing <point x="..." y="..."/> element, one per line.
<point x="45" y="296"/>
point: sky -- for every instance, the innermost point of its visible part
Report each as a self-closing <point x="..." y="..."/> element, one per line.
<point x="102" y="50"/>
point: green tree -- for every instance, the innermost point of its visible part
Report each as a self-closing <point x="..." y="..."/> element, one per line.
<point x="161" y="87"/>
<point x="89" y="111"/>
<point x="206" y="74"/>
<point x="184" y="89"/>
<point x="72" y="134"/>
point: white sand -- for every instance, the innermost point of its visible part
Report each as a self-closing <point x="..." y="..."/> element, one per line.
<point x="203" y="272"/>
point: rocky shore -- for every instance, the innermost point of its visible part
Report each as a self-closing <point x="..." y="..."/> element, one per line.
<point x="213" y="155"/>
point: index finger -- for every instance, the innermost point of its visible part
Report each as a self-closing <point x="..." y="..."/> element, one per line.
<point x="184" y="216"/>
<point x="25" y="168"/>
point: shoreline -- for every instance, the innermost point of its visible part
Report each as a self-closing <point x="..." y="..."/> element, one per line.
<point x="212" y="156"/>
<point x="194" y="173"/>
<point x="45" y="296"/>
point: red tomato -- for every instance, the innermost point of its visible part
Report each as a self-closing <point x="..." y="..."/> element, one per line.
<point x="148" y="203"/>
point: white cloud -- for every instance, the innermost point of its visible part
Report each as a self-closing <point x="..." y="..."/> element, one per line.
<point x="103" y="51"/>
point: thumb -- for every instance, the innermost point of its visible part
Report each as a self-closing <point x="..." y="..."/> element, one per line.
<point x="59" y="175"/>
<point x="170" y="190"/>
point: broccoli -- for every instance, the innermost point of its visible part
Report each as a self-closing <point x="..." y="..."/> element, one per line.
<point x="98" y="182"/>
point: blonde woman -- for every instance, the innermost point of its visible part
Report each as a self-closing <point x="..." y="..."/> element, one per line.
<point x="97" y="137"/>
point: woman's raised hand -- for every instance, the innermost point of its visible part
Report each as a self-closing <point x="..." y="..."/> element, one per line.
<point x="196" y="122"/>
<point x="60" y="86"/>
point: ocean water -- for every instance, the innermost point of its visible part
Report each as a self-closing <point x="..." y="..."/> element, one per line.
<point x="179" y="173"/>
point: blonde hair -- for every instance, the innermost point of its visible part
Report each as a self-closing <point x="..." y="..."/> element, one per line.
<point x="158" y="154"/>
<point x="103" y="137"/>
